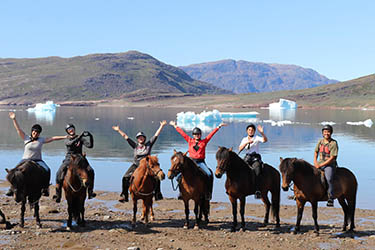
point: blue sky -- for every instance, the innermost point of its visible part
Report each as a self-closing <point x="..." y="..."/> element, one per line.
<point x="336" y="38"/>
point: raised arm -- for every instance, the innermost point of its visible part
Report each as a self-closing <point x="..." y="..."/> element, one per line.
<point x="90" y="142"/>
<point x="123" y="134"/>
<point x="20" y="132"/>
<point x="55" y="138"/>
<point x="180" y="131"/>
<point x="261" y="131"/>
<point x="213" y="132"/>
<point x="162" y="124"/>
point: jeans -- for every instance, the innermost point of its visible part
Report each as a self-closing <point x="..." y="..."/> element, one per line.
<point x="329" y="172"/>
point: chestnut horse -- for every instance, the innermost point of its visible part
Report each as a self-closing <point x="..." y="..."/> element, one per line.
<point x="75" y="188"/>
<point x="240" y="183"/>
<point x="192" y="186"/>
<point x="142" y="186"/>
<point x="27" y="181"/>
<point x="308" y="187"/>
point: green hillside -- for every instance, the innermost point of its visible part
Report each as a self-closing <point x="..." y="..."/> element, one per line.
<point x="94" y="77"/>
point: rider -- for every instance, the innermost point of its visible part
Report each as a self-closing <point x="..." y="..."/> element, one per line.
<point x="250" y="144"/>
<point x="327" y="150"/>
<point x="197" y="151"/>
<point x="141" y="150"/>
<point x="33" y="148"/>
<point x="74" y="144"/>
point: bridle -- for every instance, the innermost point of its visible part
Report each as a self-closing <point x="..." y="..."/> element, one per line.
<point x="80" y="180"/>
<point x="154" y="173"/>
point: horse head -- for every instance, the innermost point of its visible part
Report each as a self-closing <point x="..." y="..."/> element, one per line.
<point x="78" y="166"/>
<point x="177" y="163"/>
<point x="16" y="178"/>
<point x="223" y="160"/>
<point x="153" y="164"/>
<point x="287" y="171"/>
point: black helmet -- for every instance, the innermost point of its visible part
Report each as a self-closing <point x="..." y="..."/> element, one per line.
<point x="140" y="134"/>
<point x="197" y="131"/>
<point x="37" y="128"/>
<point x="327" y="127"/>
<point x="68" y="126"/>
<point x="251" y="125"/>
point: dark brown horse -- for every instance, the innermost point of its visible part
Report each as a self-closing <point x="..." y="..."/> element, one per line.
<point x="192" y="186"/>
<point x="75" y="188"/>
<point x="142" y="186"/>
<point x="240" y="183"/>
<point x="308" y="187"/>
<point x="27" y="181"/>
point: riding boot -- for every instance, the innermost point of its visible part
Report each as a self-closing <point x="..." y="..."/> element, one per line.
<point x="90" y="192"/>
<point x="210" y="185"/>
<point x="9" y="192"/>
<point x="57" y="196"/>
<point x="124" y="196"/>
<point x="158" y="195"/>
<point x="330" y="202"/>
<point x="257" y="170"/>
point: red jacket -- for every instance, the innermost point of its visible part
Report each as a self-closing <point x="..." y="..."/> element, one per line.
<point x="199" y="154"/>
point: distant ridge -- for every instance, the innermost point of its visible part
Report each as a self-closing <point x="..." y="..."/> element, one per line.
<point x="94" y="77"/>
<point x="250" y="77"/>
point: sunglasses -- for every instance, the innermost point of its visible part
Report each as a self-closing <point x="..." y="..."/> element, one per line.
<point x="196" y="134"/>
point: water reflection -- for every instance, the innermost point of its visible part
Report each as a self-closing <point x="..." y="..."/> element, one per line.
<point x="45" y="116"/>
<point x="282" y="114"/>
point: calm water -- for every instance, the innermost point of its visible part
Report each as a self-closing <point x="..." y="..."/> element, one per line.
<point x="111" y="155"/>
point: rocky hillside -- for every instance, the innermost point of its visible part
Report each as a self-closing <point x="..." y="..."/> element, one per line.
<point x="94" y="77"/>
<point x="250" y="77"/>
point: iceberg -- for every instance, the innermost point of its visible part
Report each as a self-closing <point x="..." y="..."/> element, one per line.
<point x="368" y="123"/>
<point x="44" y="111"/>
<point x="207" y="120"/>
<point x="48" y="106"/>
<point x="278" y="123"/>
<point x="283" y="104"/>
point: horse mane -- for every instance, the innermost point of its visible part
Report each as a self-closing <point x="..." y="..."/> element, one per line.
<point x="79" y="160"/>
<point x="152" y="159"/>
<point x="305" y="167"/>
<point x="224" y="153"/>
<point x="189" y="163"/>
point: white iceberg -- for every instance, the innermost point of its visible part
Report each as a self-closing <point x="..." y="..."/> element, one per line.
<point x="48" y="106"/>
<point x="328" y="123"/>
<point x="368" y="123"/>
<point x="207" y="120"/>
<point x="283" y="104"/>
<point x="278" y="123"/>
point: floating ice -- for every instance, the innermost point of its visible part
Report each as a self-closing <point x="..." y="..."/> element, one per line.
<point x="368" y="123"/>
<point x="278" y="123"/>
<point x="48" y="106"/>
<point x="207" y="120"/>
<point x="328" y="123"/>
<point x="283" y="104"/>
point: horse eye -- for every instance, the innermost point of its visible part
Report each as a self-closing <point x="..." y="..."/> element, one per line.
<point x="175" y="159"/>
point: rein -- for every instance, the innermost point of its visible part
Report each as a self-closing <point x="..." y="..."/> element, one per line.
<point x="155" y="173"/>
<point x="72" y="188"/>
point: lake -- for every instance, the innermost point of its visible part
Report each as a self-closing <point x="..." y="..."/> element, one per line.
<point x="111" y="155"/>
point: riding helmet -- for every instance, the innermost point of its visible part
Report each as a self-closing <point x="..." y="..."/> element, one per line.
<point x="37" y="128"/>
<point x="197" y="131"/>
<point x="327" y="127"/>
<point x="251" y="125"/>
<point x="140" y="134"/>
<point x="68" y="126"/>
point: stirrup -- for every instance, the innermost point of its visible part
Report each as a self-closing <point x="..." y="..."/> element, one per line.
<point x="123" y="198"/>
<point x="330" y="203"/>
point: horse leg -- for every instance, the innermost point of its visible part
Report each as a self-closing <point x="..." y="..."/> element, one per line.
<point x="23" y="208"/>
<point x="36" y="215"/>
<point x="206" y="211"/>
<point x="82" y="212"/>
<point x="314" y="206"/>
<point x="134" y="212"/>
<point x="351" y="210"/>
<point x="196" y="210"/>
<point x="300" y="207"/>
<point x="267" y="206"/>
<point x="143" y="216"/>
<point x="70" y="215"/>
<point x="152" y="217"/>
<point x="186" y="225"/>
<point x="3" y="220"/>
<point x="146" y="209"/>
<point x="234" y="212"/>
<point x="276" y="205"/>
<point x="346" y="212"/>
<point x="242" y="213"/>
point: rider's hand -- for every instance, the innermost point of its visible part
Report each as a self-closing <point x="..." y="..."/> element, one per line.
<point x="12" y="115"/>
<point x="85" y="133"/>
<point x="163" y="123"/>
<point x="116" y="128"/>
<point x="172" y="123"/>
<point x="260" y="129"/>
<point x="222" y="124"/>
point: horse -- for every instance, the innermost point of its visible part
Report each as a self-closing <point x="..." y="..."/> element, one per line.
<point x="240" y="183"/>
<point x="75" y="188"/>
<point x="308" y="186"/>
<point x="192" y="187"/>
<point x="27" y="181"/>
<point x="4" y="221"/>
<point x="142" y="186"/>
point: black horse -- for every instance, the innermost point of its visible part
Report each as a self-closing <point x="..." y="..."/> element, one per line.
<point x="27" y="181"/>
<point x="240" y="183"/>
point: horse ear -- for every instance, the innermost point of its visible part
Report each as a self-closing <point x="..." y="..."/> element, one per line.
<point x="230" y="149"/>
<point x="281" y="159"/>
<point x="186" y="153"/>
<point x="7" y="170"/>
<point x="174" y="151"/>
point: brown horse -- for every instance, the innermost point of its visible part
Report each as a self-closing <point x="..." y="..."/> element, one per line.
<point x="308" y="187"/>
<point x="192" y="186"/>
<point x="75" y="188"/>
<point x="240" y="183"/>
<point x="142" y="186"/>
<point x="27" y="181"/>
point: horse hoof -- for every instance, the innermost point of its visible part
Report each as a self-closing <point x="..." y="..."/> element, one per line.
<point x="316" y="233"/>
<point x="68" y="229"/>
<point x="196" y="227"/>
<point x="133" y="226"/>
<point x="277" y="225"/>
<point x="242" y="229"/>
<point x="8" y="225"/>
<point x="186" y="227"/>
<point x="38" y="226"/>
<point x="152" y="218"/>
<point x="232" y="229"/>
<point x="22" y="225"/>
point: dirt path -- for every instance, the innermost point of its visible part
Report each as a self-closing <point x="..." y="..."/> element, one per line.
<point x="108" y="227"/>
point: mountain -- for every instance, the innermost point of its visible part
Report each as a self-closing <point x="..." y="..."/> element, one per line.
<point x="94" y="77"/>
<point x="247" y="77"/>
